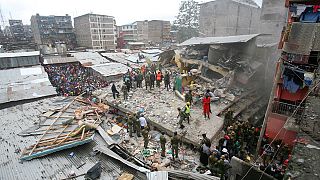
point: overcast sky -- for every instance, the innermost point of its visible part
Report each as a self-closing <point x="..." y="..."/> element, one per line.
<point x="124" y="11"/>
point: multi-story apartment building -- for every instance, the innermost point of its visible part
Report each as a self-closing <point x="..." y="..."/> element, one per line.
<point x="53" y="29"/>
<point x="229" y="18"/>
<point x="159" y="32"/>
<point x="17" y="30"/>
<point x="297" y="74"/>
<point x="95" y="31"/>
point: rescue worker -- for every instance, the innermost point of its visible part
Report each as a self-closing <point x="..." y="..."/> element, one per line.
<point x="130" y="124"/>
<point x="147" y="81"/>
<point x="187" y="112"/>
<point x="206" y="106"/>
<point x="205" y="140"/>
<point x="182" y="117"/>
<point x="167" y="81"/>
<point x="137" y="125"/>
<point x="114" y="90"/>
<point x="163" y="142"/>
<point x="212" y="162"/>
<point x="159" y="78"/>
<point x="188" y="97"/>
<point x="152" y="79"/>
<point x="228" y="118"/>
<point x="145" y="135"/>
<point x="175" y="145"/>
<point x="125" y="91"/>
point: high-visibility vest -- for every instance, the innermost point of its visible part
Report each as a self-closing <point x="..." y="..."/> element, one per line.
<point x="187" y="111"/>
<point x="158" y="76"/>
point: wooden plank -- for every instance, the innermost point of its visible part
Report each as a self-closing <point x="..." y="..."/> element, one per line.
<point x="59" y="134"/>
<point x="60" y="113"/>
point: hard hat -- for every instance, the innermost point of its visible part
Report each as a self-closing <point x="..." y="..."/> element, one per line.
<point x="188" y="103"/>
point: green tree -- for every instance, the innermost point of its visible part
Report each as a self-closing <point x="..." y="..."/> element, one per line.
<point x="187" y="21"/>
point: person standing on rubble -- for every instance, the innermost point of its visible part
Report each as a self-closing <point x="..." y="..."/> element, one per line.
<point x="187" y="112"/>
<point x="163" y="142"/>
<point x="188" y="97"/>
<point x="182" y="117"/>
<point x="206" y="106"/>
<point x="159" y="78"/>
<point x="125" y="91"/>
<point x="130" y="124"/>
<point x="143" y="121"/>
<point x="152" y="79"/>
<point x="175" y="145"/>
<point x="145" y="135"/>
<point x="147" y="81"/>
<point x="114" y="90"/>
<point x="137" y="126"/>
<point x="167" y="81"/>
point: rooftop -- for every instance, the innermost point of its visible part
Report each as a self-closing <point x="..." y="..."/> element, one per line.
<point x="245" y="2"/>
<point x="218" y="40"/>
<point x="24" y="83"/>
<point x="19" y="54"/>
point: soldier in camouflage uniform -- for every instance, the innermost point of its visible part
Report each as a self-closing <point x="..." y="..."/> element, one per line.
<point x="182" y="117"/>
<point x="130" y="124"/>
<point x="145" y="134"/>
<point x="163" y="142"/>
<point x="212" y="162"/>
<point x="175" y="145"/>
<point x="136" y="124"/>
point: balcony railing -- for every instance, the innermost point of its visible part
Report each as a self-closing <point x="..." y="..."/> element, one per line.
<point x="287" y="109"/>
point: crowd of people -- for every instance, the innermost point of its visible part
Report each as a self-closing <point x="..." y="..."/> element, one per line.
<point x="150" y="75"/>
<point x="240" y="140"/>
<point x="72" y="79"/>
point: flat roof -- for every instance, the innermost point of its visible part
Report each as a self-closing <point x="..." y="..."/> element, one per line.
<point x="58" y="60"/>
<point x="90" y="57"/>
<point x="218" y="40"/>
<point x="24" y="83"/>
<point x="20" y="54"/>
<point x="110" y="69"/>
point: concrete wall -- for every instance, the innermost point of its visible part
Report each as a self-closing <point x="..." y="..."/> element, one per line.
<point x="240" y="168"/>
<point x="273" y="18"/>
<point x="227" y="18"/>
<point x="35" y="30"/>
<point x="159" y="31"/>
<point x="82" y="31"/>
<point x="142" y="27"/>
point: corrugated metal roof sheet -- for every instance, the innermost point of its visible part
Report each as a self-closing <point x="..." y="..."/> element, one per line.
<point x="110" y="69"/>
<point x="57" y="60"/>
<point x="158" y="175"/>
<point x="120" y="58"/>
<point x="90" y="57"/>
<point x="20" y="54"/>
<point x="55" y="166"/>
<point x="218" y="40"/>
<point x="24" y="83"/>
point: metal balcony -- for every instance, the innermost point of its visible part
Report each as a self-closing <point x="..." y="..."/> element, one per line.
<point x="287" y="109"/>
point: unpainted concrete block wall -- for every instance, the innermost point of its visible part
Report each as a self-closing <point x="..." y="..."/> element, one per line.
<point x="228" y="18"/>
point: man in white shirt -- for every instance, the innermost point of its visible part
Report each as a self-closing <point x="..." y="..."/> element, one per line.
<point x="143" y="121"/>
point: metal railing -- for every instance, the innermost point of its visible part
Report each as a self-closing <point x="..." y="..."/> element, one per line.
<point x="287" y="109"/>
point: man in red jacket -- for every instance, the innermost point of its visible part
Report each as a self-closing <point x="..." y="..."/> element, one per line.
<point x="206" y="106"/>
